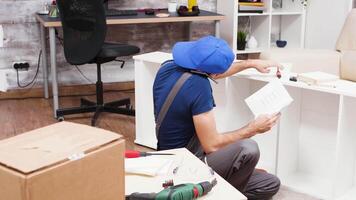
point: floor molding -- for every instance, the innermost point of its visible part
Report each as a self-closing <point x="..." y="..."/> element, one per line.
<point x="74" y="90"/>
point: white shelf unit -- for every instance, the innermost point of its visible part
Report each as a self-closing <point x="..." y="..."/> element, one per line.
<point x="312" y="150"/>
<point x="289" y="21"/>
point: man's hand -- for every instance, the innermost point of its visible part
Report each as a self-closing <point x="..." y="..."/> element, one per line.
<point x="260" y="65"/>
<point x="264" y="65"/>
<point x="263" y="123"/>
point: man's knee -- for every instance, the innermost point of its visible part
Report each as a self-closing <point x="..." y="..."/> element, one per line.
<point x="250" y="150"/>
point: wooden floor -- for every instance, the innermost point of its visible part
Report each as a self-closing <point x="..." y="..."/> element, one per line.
<point x="21" y="115"/>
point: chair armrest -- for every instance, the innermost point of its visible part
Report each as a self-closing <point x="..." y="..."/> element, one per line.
<point x="306" y="60"/>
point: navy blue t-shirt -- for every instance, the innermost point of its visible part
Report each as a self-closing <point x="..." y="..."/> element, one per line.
<point x="195" y="97"/>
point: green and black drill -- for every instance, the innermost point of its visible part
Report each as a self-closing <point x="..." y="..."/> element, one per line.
<point x="188" y="191"/>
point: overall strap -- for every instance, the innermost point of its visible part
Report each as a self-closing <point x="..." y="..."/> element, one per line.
<point x="169" y="100"/>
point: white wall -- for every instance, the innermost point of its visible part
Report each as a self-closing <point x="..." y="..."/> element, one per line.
<point x="325" y="19"/>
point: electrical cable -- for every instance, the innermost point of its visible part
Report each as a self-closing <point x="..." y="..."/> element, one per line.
<point x="34" y="78"/>
<point x="80" y="71"/>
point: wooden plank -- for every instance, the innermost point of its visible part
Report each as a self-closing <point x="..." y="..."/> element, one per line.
<point x="73" y="90"/>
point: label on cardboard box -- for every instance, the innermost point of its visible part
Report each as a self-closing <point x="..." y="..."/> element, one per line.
<point x="76" y="156"/>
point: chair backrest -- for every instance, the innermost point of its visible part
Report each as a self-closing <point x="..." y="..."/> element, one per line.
<point x="84" y="29"/>
<point x="347" y="38"/>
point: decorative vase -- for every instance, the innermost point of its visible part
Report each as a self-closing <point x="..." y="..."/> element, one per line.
<point x="281" y="43"/>
<point x="252" y="43"/>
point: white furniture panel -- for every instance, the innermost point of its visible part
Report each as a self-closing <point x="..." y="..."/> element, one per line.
<point x="346" y="147"/>
<point x="220" y="96"/>
<point x="239" y="115"/>
<point x="146" y="67"/>
<point x="289" y="140"/>
<point x="314" y="146"/>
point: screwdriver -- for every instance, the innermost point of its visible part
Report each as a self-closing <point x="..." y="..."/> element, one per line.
<point x="137" y="154"/>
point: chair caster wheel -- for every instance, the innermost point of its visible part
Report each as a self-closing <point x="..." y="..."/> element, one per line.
<point x="60" y="119"/>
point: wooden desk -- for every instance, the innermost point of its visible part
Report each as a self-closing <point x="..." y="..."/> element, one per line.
<point x="223" y="190"/>
<point x="141" y="18"/>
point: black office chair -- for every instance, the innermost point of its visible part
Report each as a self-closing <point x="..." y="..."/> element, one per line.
<point x="84" y="31"/>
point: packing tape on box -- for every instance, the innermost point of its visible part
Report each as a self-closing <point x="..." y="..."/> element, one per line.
<point x="76" y="156"/>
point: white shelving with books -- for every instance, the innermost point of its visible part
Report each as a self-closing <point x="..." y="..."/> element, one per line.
<point x="276" y="21"/>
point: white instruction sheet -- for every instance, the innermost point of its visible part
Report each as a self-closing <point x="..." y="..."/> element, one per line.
<point x="270" y="99"/>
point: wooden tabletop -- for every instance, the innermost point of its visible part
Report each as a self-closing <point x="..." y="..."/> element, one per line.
<point x="140" y="18"/>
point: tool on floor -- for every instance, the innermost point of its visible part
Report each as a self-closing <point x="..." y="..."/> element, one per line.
<point x="188" y="191"/>
<point x="137" y="154"/>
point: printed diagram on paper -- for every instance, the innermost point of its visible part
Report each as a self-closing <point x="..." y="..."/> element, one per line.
<point x="270" y="99"/>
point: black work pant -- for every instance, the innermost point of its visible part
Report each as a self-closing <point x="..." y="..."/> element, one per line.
<point x="236" y="164"/>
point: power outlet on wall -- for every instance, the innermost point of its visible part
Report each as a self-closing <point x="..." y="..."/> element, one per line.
<point x="21" y="65"/>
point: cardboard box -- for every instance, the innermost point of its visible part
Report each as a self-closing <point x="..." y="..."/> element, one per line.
<point x="64" y="161"/>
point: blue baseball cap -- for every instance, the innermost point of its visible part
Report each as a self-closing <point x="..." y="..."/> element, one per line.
<point x="208" y="54"/>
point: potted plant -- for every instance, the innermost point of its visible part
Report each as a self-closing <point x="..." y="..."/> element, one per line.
<point x="241" y="40"/>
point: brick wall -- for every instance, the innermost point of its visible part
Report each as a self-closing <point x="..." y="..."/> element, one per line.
<point x="21" y="33"/>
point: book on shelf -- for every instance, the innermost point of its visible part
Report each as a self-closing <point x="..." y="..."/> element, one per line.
<point x="247" y="8"/>
<point x="251" y="11"/>
<point x="250" y="1"/>
<point x="260" y="4"/>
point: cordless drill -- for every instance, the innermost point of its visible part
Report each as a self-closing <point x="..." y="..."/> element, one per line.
<point x="186" y="191"/>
